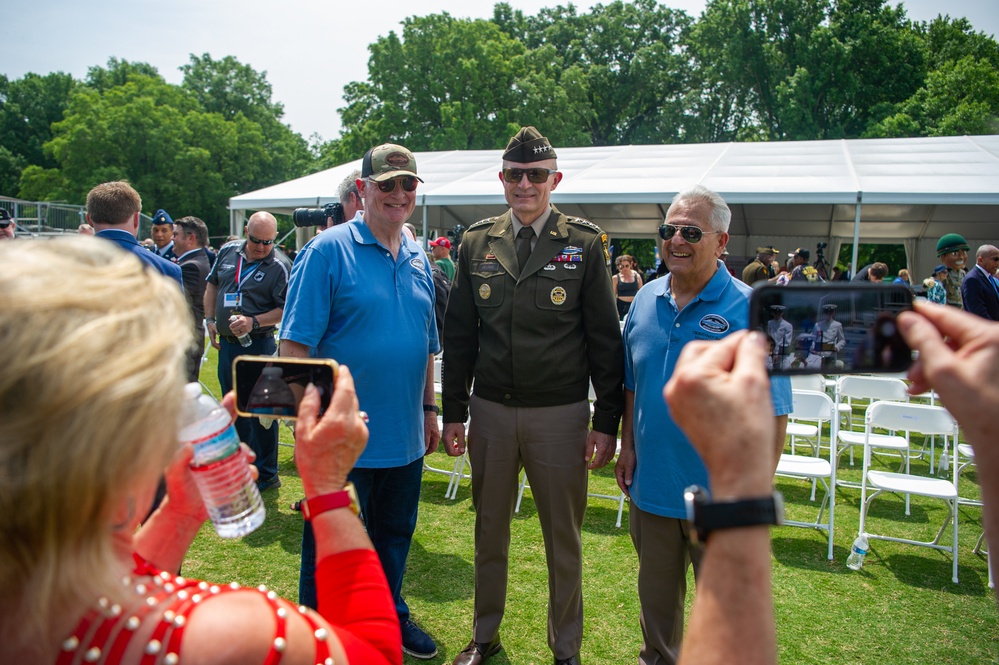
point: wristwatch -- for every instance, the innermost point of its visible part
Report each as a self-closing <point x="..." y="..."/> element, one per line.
<point x="432" y="407"/>
<point x="347" y="497"/>
<point x="256" y="324"/>
<point x="706" y="515"/>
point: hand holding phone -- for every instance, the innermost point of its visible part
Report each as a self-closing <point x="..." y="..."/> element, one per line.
<point x="832" y="329"/>
<point x="272" y="387"/>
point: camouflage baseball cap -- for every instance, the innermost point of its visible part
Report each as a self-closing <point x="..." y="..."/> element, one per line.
<point x="388" y="161"/>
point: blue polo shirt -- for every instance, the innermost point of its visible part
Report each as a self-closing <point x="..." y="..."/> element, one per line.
<point x="349" y="300"/>
<point x="654" y="335"/>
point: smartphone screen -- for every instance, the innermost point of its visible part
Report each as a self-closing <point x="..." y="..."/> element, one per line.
<point x="272" y="387"/>
<point x="832" y="329"/>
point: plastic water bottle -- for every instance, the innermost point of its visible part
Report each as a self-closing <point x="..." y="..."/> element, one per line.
<point x="220" y="469"/>
<point x="244" y="339"/>
<point x="857" y="553"/>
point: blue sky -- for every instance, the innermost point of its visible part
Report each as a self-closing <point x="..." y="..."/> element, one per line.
<point x="310" y="49"/>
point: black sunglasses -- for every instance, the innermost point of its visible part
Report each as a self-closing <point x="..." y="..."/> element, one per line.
<point x="5" y="224"/>
<point x="388" y="186"/>
<point x="691" y="234"/>
<point x="537" y="176"/>
<point x="258" y="241"/>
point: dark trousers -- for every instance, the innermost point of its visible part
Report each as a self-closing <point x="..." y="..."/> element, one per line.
<point x="390" y="501"/>
<point x="262" y="440"/>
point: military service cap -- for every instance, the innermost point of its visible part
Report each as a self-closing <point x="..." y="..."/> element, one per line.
<point x="528" y="146"/>
<point x="162" y="217"/>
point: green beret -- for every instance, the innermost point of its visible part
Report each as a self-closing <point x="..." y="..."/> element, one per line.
<point x="951" y="242"/>
<point x="528" y="146"/>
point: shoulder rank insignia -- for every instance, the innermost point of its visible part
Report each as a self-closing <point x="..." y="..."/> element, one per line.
<point x="603" y="242"/>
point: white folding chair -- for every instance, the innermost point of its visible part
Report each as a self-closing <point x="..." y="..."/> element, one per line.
<point x="873" y="388"/>
<point x="819" y="407"/>
<point x="926" y="420"/>
<point x="964" y="456"/>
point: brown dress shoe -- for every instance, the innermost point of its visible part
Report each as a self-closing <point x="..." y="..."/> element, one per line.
<point x="477" y="652"/>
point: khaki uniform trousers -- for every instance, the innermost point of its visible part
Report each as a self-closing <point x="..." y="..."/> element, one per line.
<point x="664" y="554"/>
<point x="549" y="443"/>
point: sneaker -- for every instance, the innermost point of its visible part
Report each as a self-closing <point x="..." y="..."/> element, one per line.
<point x="273" y="483"/>
<point x="417" y="643"/>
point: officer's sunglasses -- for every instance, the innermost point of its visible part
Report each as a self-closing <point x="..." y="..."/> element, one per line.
<point x="537" y="176"/>
<point x="388" y="186"/>
<point x="259" y="241"/>
<point x="691" y="234"/>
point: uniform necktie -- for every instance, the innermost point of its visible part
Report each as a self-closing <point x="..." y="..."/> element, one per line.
<point x="525" y="235"/>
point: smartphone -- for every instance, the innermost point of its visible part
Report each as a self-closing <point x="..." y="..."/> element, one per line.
<point x="832" y="329"/>
<point x="272" y="387"/>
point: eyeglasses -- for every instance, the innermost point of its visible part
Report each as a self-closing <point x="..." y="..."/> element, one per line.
<point x="537" y="176"/>
<point x="5" y="224"/>
<point x="388" y="186"/>
<point x="691" y="234"/>
<point x="259" y="241"/>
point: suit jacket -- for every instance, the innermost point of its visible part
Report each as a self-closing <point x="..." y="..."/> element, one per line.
<point x="535" y="337"/>
<point x="194" y="267"/>
<point x="979" y="295"/>
<point x="127" y="241"/>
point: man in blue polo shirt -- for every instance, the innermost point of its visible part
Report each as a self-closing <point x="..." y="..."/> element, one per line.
<point x="698" y="300"/>
<point x="362" y="294"/>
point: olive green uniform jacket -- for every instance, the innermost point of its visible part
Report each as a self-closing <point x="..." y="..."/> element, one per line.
<point x="538" y="338"/>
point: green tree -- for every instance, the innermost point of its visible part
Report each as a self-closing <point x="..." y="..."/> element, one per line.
<point x="446" y="84"/>
<point x="118" y="72"/>
<point x="959" y="98"/>
<point x="622" y="65"/>
<point x="28" y="107"/>
<point x="803" y="69"/>
<point x="158" y="136"/>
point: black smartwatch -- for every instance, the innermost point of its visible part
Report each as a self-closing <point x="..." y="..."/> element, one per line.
<point x="432" y="407"/>
<point x="256" y="324"/>
<point x="706" y="515"/>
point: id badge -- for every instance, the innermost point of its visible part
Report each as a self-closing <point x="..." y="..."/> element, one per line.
<point x="232" y="299"/>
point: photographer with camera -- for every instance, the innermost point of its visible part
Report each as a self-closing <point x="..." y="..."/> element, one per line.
<point x="334" y="214"/>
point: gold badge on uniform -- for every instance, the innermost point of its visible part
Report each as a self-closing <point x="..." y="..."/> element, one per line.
<point x="603" y="241"/>
<point x="485" y="291"/>
<point x="558" y="296"/>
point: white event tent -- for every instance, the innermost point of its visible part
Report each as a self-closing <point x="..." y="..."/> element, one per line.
<point x="786" y="194"/>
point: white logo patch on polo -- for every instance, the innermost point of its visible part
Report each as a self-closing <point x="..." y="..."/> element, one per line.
<point x="714" y="324"/>
<point x="417" y="263"/>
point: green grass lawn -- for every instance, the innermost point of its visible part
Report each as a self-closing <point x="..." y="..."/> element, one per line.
<point x="900" y="608"/>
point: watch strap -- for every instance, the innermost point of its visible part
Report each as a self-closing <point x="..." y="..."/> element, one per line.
<point x="256" y="324"/>
<point x="347" y="497"/>
<point x="711" y="516"/>
<point x="432" y="407"/>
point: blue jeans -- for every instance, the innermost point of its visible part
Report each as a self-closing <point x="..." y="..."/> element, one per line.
<point x="390" y="500"/>
<point x="262" y="440"/>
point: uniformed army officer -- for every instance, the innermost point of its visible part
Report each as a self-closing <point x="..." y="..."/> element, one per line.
<point x="530" y="320"/>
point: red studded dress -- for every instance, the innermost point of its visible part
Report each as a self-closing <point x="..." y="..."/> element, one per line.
<point x="353" y="597"/>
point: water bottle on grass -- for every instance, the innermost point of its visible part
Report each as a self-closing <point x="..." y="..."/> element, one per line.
<point x="219" y="467"/>
<point x="857" y="553"/>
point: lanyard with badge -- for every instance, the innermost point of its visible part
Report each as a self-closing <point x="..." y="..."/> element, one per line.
<point x="234" y="301"/>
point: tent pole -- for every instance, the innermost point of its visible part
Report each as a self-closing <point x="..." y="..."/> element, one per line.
<point x="856" y="236"/>
<point x="423" y="204"/>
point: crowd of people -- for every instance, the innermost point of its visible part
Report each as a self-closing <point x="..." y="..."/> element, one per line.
<point x="531" y="322"/>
